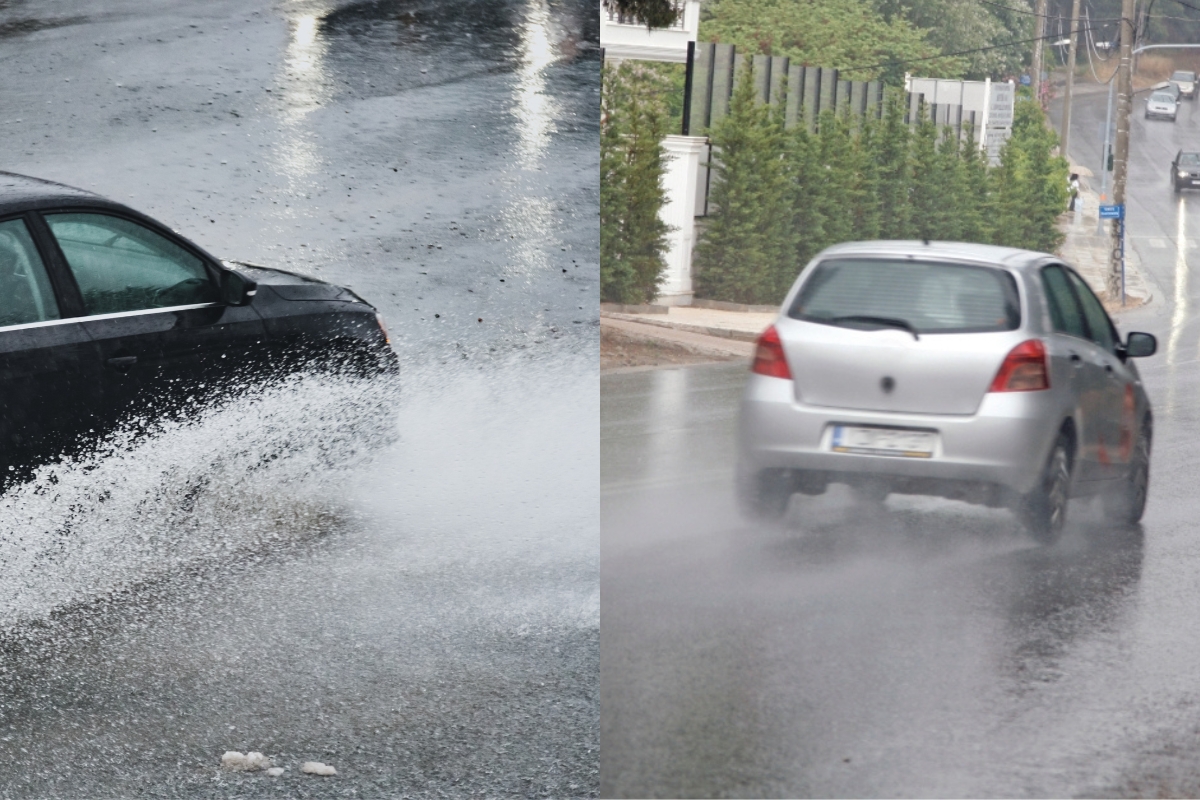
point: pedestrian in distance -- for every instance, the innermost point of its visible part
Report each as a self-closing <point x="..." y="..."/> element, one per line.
<point x="1073" y="190"/>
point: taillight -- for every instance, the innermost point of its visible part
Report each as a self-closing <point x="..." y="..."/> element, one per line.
<point x="1024" y="369"/>
<point x="768" y="358"/>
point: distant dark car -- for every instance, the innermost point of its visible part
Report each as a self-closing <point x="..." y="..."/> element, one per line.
<point x="1185" y="170"/>
<point x="105" y="313"/>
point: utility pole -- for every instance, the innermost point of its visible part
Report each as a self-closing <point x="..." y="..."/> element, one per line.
<point x="1116" y="262"/>
<point x="1065" y="139"/>
<point x="1040" y="33"/>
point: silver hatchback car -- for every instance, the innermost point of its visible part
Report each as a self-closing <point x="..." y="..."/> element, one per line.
<point x="980" y="373"/>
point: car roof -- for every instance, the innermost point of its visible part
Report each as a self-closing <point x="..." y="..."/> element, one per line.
<point x="24" y="192"/>
<point x="985" y="254"/>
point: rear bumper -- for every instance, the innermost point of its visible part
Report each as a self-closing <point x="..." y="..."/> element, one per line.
<point x="1002" y="446"/>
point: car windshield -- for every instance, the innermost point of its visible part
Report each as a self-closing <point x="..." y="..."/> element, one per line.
<point x="921" y="296"/>
<point x="1189" y="160"/>
<point x="1161" y="98"/>
<point x="1186" y="77"/>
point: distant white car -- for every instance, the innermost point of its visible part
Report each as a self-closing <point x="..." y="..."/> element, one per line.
<point x="1163" y="105"/>
<point x="1186" y="81"/>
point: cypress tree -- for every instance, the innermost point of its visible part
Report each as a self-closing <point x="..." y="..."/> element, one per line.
<point x="950" y="180"/>
<point x="807" y="183"/>
<point x="973" y="219"/>
<point x="866" y="187"/>
<point x="616" y="273"/>
<point x="926" y="191"/>
<point x="634" y="239"/>
<point x="835" y="168"/>
<point x="740" y="254"/>
<point x="892" y="155"/>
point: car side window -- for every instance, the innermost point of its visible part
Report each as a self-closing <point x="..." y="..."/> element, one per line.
<point x="1065" y="312"/>
<point x="1099" y="325"/>
<point x="123" y="266"/>
<point x="26" y="294"/>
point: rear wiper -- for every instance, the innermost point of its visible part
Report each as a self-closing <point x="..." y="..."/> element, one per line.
<point x="891" y="322"/>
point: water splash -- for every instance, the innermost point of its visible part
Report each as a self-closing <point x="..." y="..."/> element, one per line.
<point x="268" y="465"/>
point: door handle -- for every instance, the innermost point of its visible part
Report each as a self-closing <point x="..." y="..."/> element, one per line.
<point x="1076" y="360"/>
<point x="122" y="362"/>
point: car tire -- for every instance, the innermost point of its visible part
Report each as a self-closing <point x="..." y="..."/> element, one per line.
<point x="1175" y="185"/>
<point x="1044" y="510"/>
<point x="1126" y="505"/>
<point x="763" y="496"/>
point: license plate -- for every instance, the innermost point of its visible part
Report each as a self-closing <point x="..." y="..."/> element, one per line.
<point x="883" y="441"/>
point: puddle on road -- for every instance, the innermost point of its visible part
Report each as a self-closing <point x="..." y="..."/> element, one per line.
<point x="383" y="47"/>
<point x="157" y="497"/>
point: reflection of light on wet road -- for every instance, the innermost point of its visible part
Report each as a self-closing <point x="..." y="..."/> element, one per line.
<point x="304" y="64"/>
<point x="667" y="412"/>
<point x="1179" y="315"/>
<point x="534" y="109"/>
<point x="305" y="88"/>
<point x="532" y="220"/>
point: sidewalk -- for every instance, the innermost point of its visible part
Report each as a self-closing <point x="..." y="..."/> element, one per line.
<point x="1088" y="251"/>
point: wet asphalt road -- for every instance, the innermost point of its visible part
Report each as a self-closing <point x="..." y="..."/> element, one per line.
<point x="932" y="650"/>
<point x="423" y="616"/>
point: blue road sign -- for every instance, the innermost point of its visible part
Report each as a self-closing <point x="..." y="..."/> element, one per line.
<point x="1112" y="212"/>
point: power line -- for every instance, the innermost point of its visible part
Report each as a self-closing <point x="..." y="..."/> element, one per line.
<point x="1034" y="13"/>
<point x="1187" y="5"/>
<point x="896" y="61"/>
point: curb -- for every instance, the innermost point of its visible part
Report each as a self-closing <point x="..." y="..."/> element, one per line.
<point x="721" y="305"/>
<point x="723" y="333"/>
<point x="636" y="308"/>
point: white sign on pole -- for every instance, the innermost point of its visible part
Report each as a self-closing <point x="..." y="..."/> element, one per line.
<point x="1000" y="105"/>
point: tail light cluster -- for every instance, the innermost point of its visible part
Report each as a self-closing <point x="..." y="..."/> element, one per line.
<point x="768" y="357"/>
<point x="1025" y="369"/>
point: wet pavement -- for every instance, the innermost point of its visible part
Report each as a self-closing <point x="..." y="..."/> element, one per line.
<point x="929" y="649"/>
<point x="419" y="610"/>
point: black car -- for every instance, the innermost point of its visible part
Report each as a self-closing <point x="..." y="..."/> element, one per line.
<point x="105" y="313"/>
<point x="1185" y="170"/>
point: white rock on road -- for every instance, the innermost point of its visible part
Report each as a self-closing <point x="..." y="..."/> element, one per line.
<point x="317" y="768"/>
<point x="244" y="762"/>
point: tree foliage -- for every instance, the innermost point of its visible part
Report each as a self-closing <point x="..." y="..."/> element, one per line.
<point x="633" y="238"/>
<point x="860" y="179"/>
<point x="848" y="35"/>
<point x="751" y="238"/>
<point x="955" y="26"/>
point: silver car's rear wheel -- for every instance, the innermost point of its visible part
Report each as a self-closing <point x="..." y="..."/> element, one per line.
<point x="1126" y="505"/>
<point x="763" y="496"/>
<point x="1044" y="510"/>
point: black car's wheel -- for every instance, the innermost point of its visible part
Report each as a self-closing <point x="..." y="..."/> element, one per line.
<point x="763" y="496"/>
<point x="1044" y="510"/>
<point x="1175" y="184"/>
<point x="1125" y="506"/>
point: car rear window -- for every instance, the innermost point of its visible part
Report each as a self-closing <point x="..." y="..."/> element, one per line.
<point x="931" y="297"/>
<point x="1186" y="77"/>
<point x="1162" y="98"/>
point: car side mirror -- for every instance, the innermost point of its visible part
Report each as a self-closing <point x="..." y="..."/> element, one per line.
<point x="1140" y="345"/>
<point x="236" y="288"/>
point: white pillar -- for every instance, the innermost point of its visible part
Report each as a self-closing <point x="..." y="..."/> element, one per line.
<point x="679" y="211"/>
